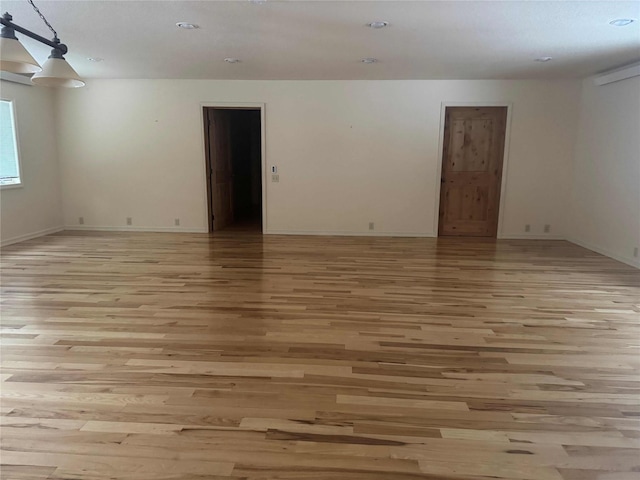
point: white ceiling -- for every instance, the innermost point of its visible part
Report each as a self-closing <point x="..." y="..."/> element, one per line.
<point x="326" y="39"/>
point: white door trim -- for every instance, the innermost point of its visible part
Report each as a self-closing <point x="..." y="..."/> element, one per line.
<point x="505" y="160"/>
<point x="263" y="146"/>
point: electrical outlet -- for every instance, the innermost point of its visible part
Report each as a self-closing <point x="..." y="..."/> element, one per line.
<point x="371" y="226"/>
<point x="81" y="220"/>
<point x="547" y="228"/>
<point x="635" y="252"/>
<point x="129" y="221"/>
<point x="176" y="222"/>
<point x="527" y="228"/>
<point x="275" y="178"/>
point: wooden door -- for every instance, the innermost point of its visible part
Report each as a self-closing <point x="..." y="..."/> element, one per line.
<point x="472" y="171"/>
<point x="219" y="168"/>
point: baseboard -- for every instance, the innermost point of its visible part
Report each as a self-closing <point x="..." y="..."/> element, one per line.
<point x="325" y="233"/>
<point x="128" y="228"/>
<point x="633" y="262"/>
<point x="29" y="236"/>
<point x="530" y="236"/>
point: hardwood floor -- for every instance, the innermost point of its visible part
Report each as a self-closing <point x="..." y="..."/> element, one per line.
<point x="185" y="356"/>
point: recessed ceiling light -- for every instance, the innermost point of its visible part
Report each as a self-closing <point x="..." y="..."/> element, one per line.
<point x="232" y="60"/>
<point x="621" y="22"/>
<point x="187" y="26"/>
<point x="258" y="2"/>
<point x="95" y="59"/>
<point x="544" y="59"/>
<point x="369" y="60"/>
<point x="378" y="24"/>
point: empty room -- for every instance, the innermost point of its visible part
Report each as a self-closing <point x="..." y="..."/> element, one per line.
<point x="319" y="240"/>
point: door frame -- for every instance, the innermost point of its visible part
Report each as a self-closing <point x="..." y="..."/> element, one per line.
<point x="263" y="153"/>
<point x="505" y="158"/>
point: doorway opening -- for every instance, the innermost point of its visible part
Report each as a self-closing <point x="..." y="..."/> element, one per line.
<point x="471" y="180"/>
<point x="233" y="155"/>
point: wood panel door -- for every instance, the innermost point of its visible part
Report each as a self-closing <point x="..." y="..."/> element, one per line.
<point x="472" y="158"/>
<point x="219" y="168"/>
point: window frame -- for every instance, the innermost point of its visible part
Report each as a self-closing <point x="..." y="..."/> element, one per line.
<point x="14" y="120"/>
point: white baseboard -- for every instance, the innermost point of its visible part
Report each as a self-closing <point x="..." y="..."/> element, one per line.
<point x="634" y="262"/>
<point x="129" y="228"/>
<point x="530" y="236"/>
<point x="325" y="233"/>
<point x="29" y="236"/>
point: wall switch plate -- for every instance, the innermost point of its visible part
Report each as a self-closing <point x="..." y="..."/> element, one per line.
<point x="527" y="228"/>
<point x="371" y="225"/>
<point x="129" y="221"/>
<point x="176" y="222"/>
<point x="547" y="228"/>
<point x="274" y="169"/>
<point x="81" y="220"/>
<point x="275" y="178"/>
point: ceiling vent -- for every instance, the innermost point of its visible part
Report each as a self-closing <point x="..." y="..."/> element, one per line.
<point x="628" y="71"/>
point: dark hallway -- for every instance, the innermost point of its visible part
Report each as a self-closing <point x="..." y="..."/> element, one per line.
<point x="246" y="168"/>
<point x="235" y="164"/>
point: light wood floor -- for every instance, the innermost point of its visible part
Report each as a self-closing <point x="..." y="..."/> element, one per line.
<point x="185" y="356"/>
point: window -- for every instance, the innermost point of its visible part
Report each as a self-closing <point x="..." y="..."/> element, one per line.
<point x="9" y="163"/>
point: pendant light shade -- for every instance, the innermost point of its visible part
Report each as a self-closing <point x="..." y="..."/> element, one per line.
<point x="56" y="72"/>
<point x="14" y="57"/>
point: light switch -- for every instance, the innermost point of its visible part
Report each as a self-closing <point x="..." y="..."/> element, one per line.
<point x="274" y="169"/>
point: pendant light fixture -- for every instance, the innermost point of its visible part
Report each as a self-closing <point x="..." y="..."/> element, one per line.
<point x="55" y="72"/>
<point x="14" y="57"/>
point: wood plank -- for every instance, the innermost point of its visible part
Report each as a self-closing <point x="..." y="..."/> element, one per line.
<point x="193" y="356"/>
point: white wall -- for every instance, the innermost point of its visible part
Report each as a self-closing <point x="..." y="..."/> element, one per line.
<point x="605" y="211"/>
<point x="34" y="208"/>
<point x="348" y="152"/>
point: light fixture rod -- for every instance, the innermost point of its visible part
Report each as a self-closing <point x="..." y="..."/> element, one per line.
<point x="6" y="21"/>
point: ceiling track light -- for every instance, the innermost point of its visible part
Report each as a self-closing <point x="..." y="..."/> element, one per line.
<point x="55" y="72"/>
<point x="369" y="60"/>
